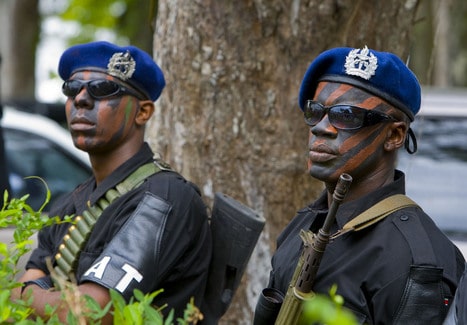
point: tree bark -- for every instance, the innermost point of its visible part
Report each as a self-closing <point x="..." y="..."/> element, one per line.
<point x="19" y="20"/>
<point x="229" y="119"/>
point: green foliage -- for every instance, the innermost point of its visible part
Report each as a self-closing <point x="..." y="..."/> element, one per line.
<point x="128" y="21"/>
<point x="87" y="11"/>
<point x="139" y="312"/>
<point x="93" y="16"/>
<point x="17" y="215"/>
<point x="327" y="310"/>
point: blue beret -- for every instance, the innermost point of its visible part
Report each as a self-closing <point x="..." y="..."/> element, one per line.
<point x="381" y="73"/>
<point x="128" y="63"/>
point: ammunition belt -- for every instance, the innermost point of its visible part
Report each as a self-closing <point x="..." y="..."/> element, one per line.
<point x="78" y="233"/>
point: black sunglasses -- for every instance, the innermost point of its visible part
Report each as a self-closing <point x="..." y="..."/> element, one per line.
<point x="343" y="117"/>
<point x="98" y="89"/>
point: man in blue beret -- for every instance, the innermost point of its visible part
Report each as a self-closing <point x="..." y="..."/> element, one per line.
<point x="390" y="262"/>
<point x="139" y="225"/>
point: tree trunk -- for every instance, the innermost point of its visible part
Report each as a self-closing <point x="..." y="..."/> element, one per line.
<point x="19" y="20"/>
<point x="229" y="119"/>
<point x="443" y="57"/>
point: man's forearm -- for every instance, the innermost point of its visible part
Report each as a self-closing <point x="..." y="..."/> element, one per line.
<point x="61" y="300"/>
<point x="42" y="298"/>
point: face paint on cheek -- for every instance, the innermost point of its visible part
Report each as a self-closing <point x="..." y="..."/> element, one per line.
<point x="310" y="140"/>
<point x="360" y="153"/>
<point x="119" y="122"/>
<point x="127" y="120"/>
<point x="128" y="111"/>
<point x="93" y="114"/>
<point x="69" y="113"/>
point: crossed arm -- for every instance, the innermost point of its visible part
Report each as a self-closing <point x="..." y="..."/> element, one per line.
<point x="43" y="297"/>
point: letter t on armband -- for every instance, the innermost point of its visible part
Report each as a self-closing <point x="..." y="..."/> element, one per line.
<point x="131" y="273"/>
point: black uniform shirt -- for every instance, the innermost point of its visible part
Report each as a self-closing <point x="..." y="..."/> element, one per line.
<point x="458" y="311"/>
<point x="371" y="266"/>
<point x="154" y="237"/>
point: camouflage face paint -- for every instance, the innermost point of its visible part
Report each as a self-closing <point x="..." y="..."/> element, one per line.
<point x="99" y="125"/>
<point x="333" y="152"/>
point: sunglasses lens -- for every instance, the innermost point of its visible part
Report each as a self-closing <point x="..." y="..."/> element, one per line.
<point x="314" y="112"/>
<point x="103" y="88"/>
<point x="96" y="88"/>
<point x="71" y="88"/>
<point x="343" y="117"/>
<point x="346" y="117"/>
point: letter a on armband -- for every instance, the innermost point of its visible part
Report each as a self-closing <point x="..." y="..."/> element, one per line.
<point x="98" y="269"/>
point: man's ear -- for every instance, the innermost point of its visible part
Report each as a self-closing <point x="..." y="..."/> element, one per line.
<point x="145" y="112"/>
<point x="396" y="134"/>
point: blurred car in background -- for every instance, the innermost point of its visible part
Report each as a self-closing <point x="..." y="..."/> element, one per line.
<point x="36" y="145"/>
<point x="437" y="173"/>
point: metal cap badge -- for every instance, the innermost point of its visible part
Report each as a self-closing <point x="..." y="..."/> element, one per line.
<point x="121" y="65"/>
<point x="361" y="63"/>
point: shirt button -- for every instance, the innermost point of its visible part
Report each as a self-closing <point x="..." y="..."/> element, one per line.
<point x="404" y="218"/>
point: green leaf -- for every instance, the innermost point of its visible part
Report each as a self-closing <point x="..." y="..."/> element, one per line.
<point x="133" y="314"/>
<point x="170" y="318"/>
<point x="138" y="295"/>
<point x="117" y="299"/>
<point x="5" y="310"/>
<point x="153" y="316"/>
<point x="3" y="249"/>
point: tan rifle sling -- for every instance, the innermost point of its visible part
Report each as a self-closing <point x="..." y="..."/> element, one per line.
<point x="78" y="233"/>
<point x="376" y="213"/>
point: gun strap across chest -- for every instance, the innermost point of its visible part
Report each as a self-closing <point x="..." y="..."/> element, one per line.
<point x="78" y="233"/>
<point x="376" y="213"/>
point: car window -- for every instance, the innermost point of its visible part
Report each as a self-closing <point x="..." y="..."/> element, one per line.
<point x="32" y="155"/>
<point x="436" y="175"/>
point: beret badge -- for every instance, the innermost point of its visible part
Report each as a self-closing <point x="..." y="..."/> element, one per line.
<point x="121" y="65"/>
<point x="361" y="63"/>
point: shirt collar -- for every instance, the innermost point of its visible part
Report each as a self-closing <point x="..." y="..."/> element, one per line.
<point x="349" y="210"/>
<point x="143" y="156"/>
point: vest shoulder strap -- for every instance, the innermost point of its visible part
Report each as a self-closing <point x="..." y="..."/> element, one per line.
<point x="376" y="213"/>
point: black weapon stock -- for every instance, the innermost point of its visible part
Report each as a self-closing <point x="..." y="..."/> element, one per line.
<point x="235" y="231"/>
<point x="300" y="288"/>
